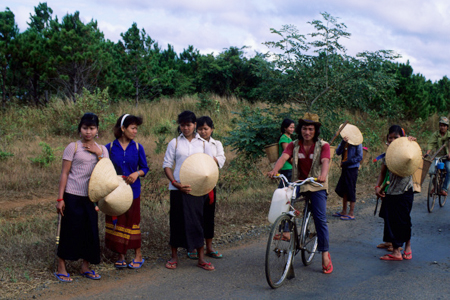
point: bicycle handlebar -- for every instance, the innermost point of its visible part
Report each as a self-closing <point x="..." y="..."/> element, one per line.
<point x="299" y="182"/>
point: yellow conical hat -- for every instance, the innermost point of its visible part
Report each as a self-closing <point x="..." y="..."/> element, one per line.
<point x="403" y="157"/>
<point x="118" y="201"/>
<point x="200" y="171"/>
<point x="103" y="180"/>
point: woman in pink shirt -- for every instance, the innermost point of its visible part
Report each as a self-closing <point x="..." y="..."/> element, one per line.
<point x="79" y="223"/>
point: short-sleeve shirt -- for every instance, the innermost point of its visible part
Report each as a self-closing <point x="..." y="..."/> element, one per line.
<point x="284" y="139"/>
<point x="305" y="159"/>
<point x="83" y="163"/>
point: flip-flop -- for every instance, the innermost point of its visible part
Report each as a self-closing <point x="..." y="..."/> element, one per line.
<point x="407" y="255"/>
<point x="192" y="255"/>
<point x="140" y="263"/>
<point x="62" y="275"/>
<point x="347" y="218"/>
<point x="391" y="257"/>
<point x="206" y="266"/>
<point x="328" y="269"/>
<point x="214" y="254"/>
<point x="171" y="265"/>
<point x="337" y="214"/>
<point x="90" y="275"/>
<point x="120" y="264"/>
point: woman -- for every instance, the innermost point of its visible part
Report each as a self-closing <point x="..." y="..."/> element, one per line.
<point x="186" y="211"/>
<point x="79" y="228"/>
<point x="123" y="232"/>
<point x="287" y="129"/>
<point x="311" y="159"/>
<point x="397" y="202"/>
<point x="205" y="128"/>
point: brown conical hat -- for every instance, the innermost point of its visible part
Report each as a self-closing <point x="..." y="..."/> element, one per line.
<point x="118" y="201"/>
<point x="200" y="171"/>
<point x="353" y="133"/>
<point x="403" y="157"/>
<point x="103" y="180"/>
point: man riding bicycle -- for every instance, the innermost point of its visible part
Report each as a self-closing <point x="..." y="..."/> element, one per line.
<point x="439" y="138"/>
<point x="311" y="158"/>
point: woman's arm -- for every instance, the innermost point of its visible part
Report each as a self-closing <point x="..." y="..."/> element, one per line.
<point x="184" y="188"/>
<point x="220" y="158"/>
<point x="278" y="165"/>
<point x="66" y="165"/>
<point x="380" y="180"/>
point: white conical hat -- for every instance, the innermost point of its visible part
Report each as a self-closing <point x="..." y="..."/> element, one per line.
<point x="403" y="157"/>
<point x="118" y="201"/>
<point x="103" y="180"/>
<point x="353" y="133"/>
<point x="200" y="171"/>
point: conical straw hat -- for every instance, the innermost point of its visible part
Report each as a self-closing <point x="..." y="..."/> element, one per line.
<point x="403" y="157"/>
<point x="119" y="201"/>
<point x="200" y="171"/>
<point x="352" y="132"/>
<point x="103" y="180"/>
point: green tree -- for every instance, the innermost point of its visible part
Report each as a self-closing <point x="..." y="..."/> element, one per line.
<point x="8" y="34"/>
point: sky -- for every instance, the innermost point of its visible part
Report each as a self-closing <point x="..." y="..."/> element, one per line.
<point x="418" y="30"/>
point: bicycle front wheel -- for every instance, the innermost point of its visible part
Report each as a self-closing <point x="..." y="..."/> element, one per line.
<point x="431" y="197"/>
<point x="280" y="251"/>
<point x="308" y="239"/>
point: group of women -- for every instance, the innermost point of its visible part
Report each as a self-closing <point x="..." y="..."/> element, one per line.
<point x="309" y="156"/>
<point x="191" y="217"/>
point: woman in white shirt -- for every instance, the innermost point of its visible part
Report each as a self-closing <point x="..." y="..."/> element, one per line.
<point x="205" y="128"/>
<point x="186" y="211"/>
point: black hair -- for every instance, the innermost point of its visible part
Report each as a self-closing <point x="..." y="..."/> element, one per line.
<point x="186" y="116"/>
<point x="298" y="130"/>
<point x="205" y="120"/>
<point x="396" y="129"/>
<point x="129" y="120"/>
<point x="285" y="124"/>
<point x="88" y="119"/>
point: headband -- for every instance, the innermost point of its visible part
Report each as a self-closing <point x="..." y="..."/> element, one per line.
<point x="123" y="118"/>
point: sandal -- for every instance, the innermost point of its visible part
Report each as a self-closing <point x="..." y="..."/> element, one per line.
<point x="328" y="269"/>
<point x="407" y="255"/>
<point x="120" y="264"/>
<point x="171" y="265"/>
<point x="206" y="266"/>
<point x="138" y="263"/>
<point x="214" y="254"/>
<point x="66" y="279"/>
<point x="391" y="257"/>
<point x="91" y="275"/>
<point x="192" y="255"/>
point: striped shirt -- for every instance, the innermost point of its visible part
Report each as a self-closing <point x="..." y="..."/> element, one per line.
<point x="83" y="163"/>
<point x="177" y="152"/>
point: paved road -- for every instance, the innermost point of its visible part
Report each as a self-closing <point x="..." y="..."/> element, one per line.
<point x="358" y="272"/>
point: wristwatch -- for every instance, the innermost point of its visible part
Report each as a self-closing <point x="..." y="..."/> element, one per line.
<point x="100" y="157"/>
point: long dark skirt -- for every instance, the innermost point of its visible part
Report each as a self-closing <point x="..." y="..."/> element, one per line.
<point x="209" y="211"/>
<point x="127" y="234"/>
<point x="79" y="230"/>
<point x="186" y="220"/>
<point x="347" y="184"/>
<point x="398" y="218"/>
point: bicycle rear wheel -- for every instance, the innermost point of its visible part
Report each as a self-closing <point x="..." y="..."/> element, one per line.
<point x="308" y="239"/>
<point x="431" y="197"/>
<point x="280" y="251"/>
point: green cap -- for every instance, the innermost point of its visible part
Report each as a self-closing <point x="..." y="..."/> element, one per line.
<point x="443" y="120"/>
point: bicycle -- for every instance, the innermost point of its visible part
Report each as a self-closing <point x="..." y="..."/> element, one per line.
<point x="436" y="182"/>
<point x="289" y="235"/>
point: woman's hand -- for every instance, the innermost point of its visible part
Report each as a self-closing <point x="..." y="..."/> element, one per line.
<point x="411" y="138"/>
<point x="272" y="173"/>
<point x="379" y="192"/>
<point x="60" y="206"/>
<point x="183" y="188"/>
<point x="93" y="149"/>
<point x="130" y="179"/>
